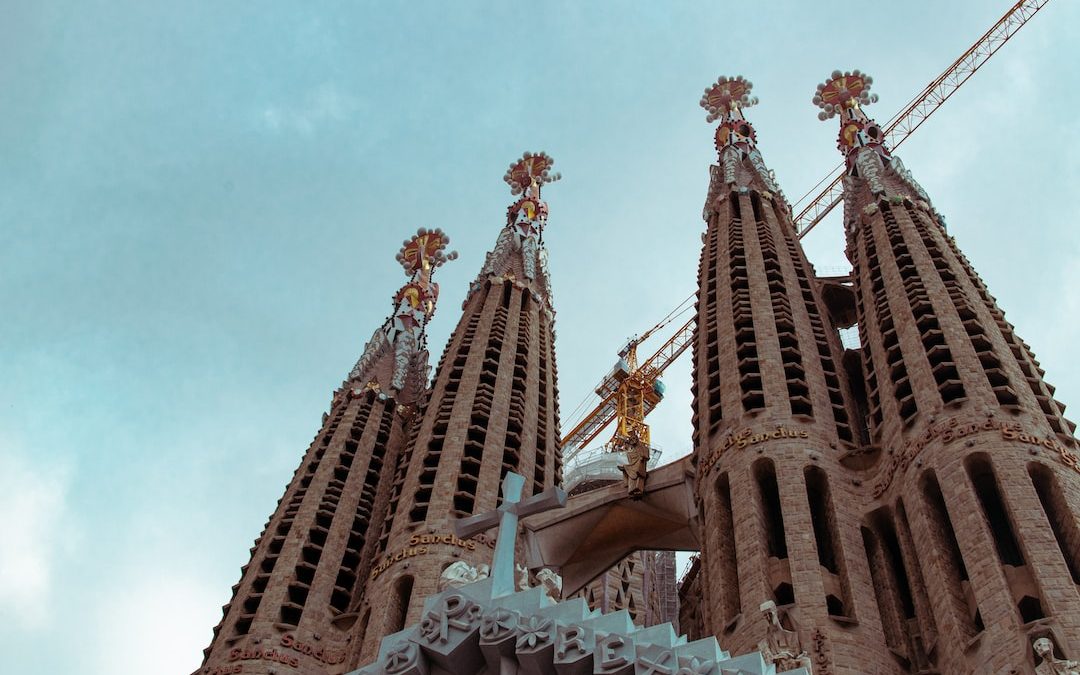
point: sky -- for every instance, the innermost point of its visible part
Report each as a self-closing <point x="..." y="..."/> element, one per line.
<point x="200" y="204"/>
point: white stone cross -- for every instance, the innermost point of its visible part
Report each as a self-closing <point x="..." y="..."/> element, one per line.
<point x="506" y="517"/>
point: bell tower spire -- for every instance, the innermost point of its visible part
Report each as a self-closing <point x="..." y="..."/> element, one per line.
<point x="395" y="359"/>
<point x="971" y="458"/>
<point x="295" y="603"/>
<point x="782" y="539"/>
<point x="735" y="137"/>
<point x="491" y="411"/>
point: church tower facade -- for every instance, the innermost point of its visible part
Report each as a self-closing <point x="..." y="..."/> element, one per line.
<point x="492" y="409"/>
<point x="296" y="601"/>
<point x="972" y="531"/>
<point x="773" y="415"/>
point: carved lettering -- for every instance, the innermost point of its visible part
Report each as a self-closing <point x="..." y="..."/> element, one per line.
<point x="947" y="431"/>
<point x="323" y="654"/>
<point x="248" y="654"/>
<point x="571" y="637"/>
<point x="607" y="647"/>
<point x="419" y="545"/>
<point x="659" y="664"/>
<point x="740" y="440"/>
<point x="456" y="611"/>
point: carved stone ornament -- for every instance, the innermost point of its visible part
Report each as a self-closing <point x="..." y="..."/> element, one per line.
<point x="456" y="613"/>
<point x="401" y="338"/>
<point x="735" y="138"/>
<point x="551" y="583"/>
<point x="637" y="461"/>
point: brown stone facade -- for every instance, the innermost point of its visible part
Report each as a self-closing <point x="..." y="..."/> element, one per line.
<point x="296" y="600"/>
<point x="909" y="506"/>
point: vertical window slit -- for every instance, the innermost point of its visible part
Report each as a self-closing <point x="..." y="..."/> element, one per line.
<point x="952" y="566"/>
<point x="400" y="608"/>
<point x="1065" y="525"/>
<point x="769" y="492"/>
<point x="729" y="570"/>
<point x="827" y="537"/>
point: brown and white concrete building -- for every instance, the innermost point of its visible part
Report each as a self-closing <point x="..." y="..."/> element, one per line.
<point x="773" y="419"/>
<point x="296" y="602"/>
<point x="907" y="506"/>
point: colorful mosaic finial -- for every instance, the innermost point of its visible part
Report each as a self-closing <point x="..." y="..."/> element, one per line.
<point x="401" y="338"/>
<point x="425" y="251"/>
<point x="862" y="140"/>
<point x="724" y="101"/>
<point x="531" y="169"/>
<point x="843" y="91"/>
<point x="735" y="138"/>
<point x="728" y="94"/>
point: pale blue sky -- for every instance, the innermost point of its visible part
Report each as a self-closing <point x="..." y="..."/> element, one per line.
<point x="200" y="205"/>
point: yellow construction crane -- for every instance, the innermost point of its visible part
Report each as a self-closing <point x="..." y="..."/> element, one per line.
<point x="630" y="391"/>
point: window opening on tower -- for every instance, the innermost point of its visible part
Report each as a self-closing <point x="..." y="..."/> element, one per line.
<point x="771" y="511"/>
<point x="952" y="568"/>
<point x="731" y="601"/>
<point x="399" y="606"/>
<point x="827" y="538"/>
<point x="1063" y="522"/>
<point x="997" y="517"/>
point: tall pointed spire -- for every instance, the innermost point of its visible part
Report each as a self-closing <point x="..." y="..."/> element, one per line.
<point x="951" y="393"/>
<point x="519" y="253"/>
<point x="768" y="372"/>
<point x="296" y="599"/>
<point x="492" y="410"/>
<point x="736" y="139"/>
<point x="394" y="359"/>
<point x="862" y="141"/>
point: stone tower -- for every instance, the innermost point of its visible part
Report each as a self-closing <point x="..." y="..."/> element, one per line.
<point x="972" y="533"/>
<point x="492" y="409"/>
<point x="296" y="600"/>
<point x="773" y="416"/>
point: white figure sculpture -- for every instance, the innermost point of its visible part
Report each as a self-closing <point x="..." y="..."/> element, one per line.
<point x="460" y="573"/>
<point x="781" y="646"/>
<point x="552" y="584"/>
<point x="1050" y="665"/>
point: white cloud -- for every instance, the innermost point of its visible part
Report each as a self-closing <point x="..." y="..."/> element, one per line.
<point x="34" y="531"/>
<point x="148" y="616"/>
<point x="325" y="103"/>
